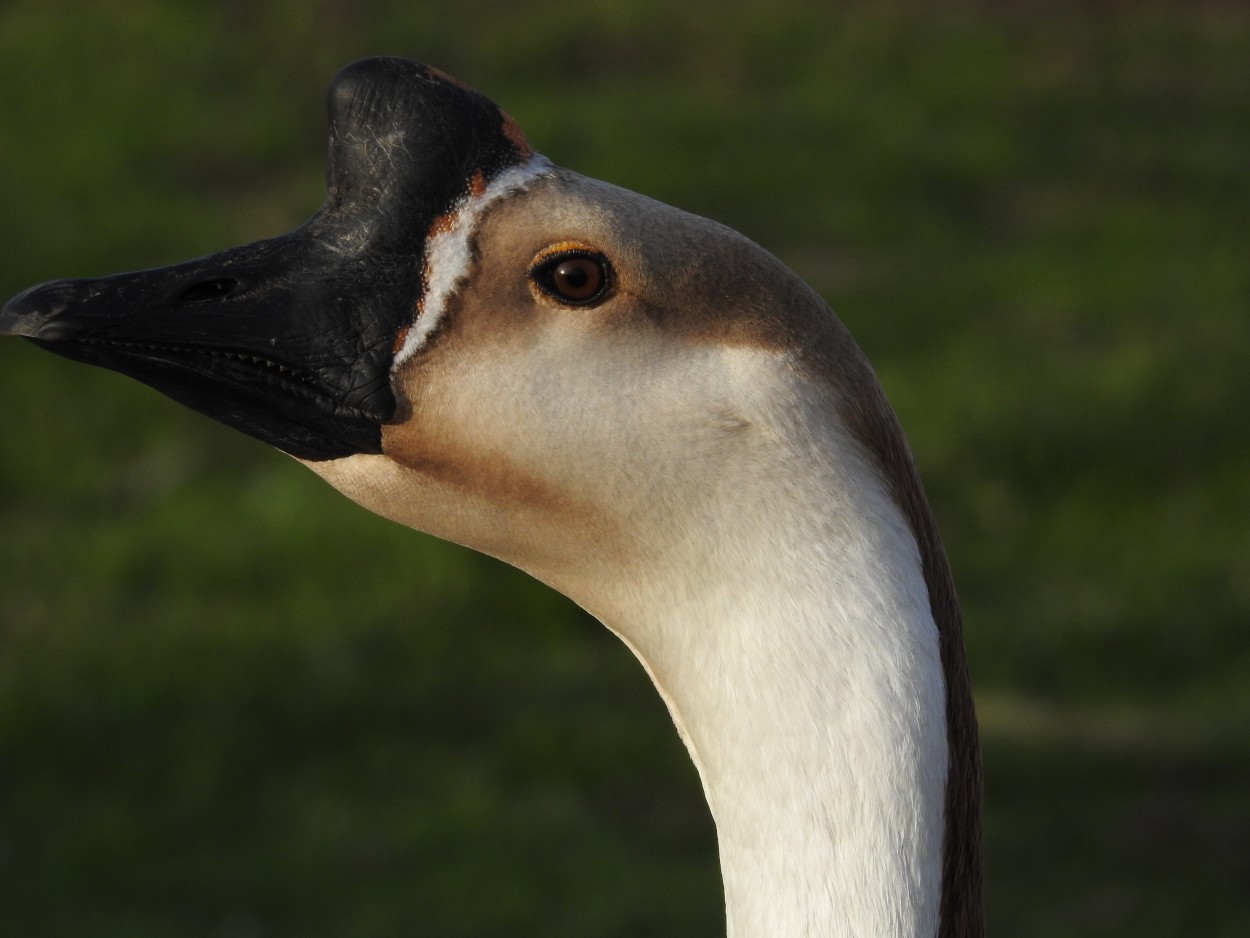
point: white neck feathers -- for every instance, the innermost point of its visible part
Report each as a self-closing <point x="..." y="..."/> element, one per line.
<point x="732" y="496"/>
<point x="795" y="647"/>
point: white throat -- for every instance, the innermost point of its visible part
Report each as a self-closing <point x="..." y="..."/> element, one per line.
<point x="796" y="650"/>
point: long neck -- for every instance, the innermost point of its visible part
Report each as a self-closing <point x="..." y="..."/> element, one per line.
<point x="799" y="657"/>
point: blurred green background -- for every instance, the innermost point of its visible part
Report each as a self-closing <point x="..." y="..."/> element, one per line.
<point x="234" y="704"/>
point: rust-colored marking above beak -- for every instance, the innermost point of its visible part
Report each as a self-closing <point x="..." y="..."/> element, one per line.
<point x="402" y="335"/>
<point x="512" y="130"/>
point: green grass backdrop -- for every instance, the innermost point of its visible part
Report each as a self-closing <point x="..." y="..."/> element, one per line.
<point x="234" y="704"/>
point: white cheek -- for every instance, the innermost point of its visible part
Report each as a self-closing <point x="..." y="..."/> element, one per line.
<point x="631" y="423"/>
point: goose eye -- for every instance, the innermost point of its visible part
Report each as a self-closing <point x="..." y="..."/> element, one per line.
<point x="575" y="277"/>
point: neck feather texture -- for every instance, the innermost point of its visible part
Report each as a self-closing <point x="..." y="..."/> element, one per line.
<point x="798" y="650"/>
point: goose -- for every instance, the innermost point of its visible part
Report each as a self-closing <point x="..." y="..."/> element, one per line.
<point x="641" y="408"/>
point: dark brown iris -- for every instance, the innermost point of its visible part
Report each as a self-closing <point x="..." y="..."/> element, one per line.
<point x="576" y="277"/>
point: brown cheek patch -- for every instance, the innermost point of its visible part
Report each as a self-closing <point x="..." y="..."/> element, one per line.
<point x="434" y="443"/>
<point x="489" y="476"/>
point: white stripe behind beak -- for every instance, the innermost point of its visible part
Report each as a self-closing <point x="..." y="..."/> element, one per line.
<point x="448" y="251"/>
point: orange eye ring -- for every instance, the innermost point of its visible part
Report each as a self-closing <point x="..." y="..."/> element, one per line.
<point x="574" y="275"/>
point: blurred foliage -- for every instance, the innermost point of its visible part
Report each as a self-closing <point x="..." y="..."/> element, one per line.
<point x="233" y="704"/>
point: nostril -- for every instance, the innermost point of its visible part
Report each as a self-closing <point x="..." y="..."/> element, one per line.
<point x="207" y="291"/>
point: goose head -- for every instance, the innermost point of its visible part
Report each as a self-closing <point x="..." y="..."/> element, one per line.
<point x="473" y="341"/>
<point x="638" y="406"/>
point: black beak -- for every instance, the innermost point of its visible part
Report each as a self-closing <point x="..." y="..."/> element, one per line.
<point x="291" y="340"/>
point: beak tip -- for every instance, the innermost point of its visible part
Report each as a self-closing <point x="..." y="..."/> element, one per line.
<point x="32" y="312"/>
<point x="19" y="318"/>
